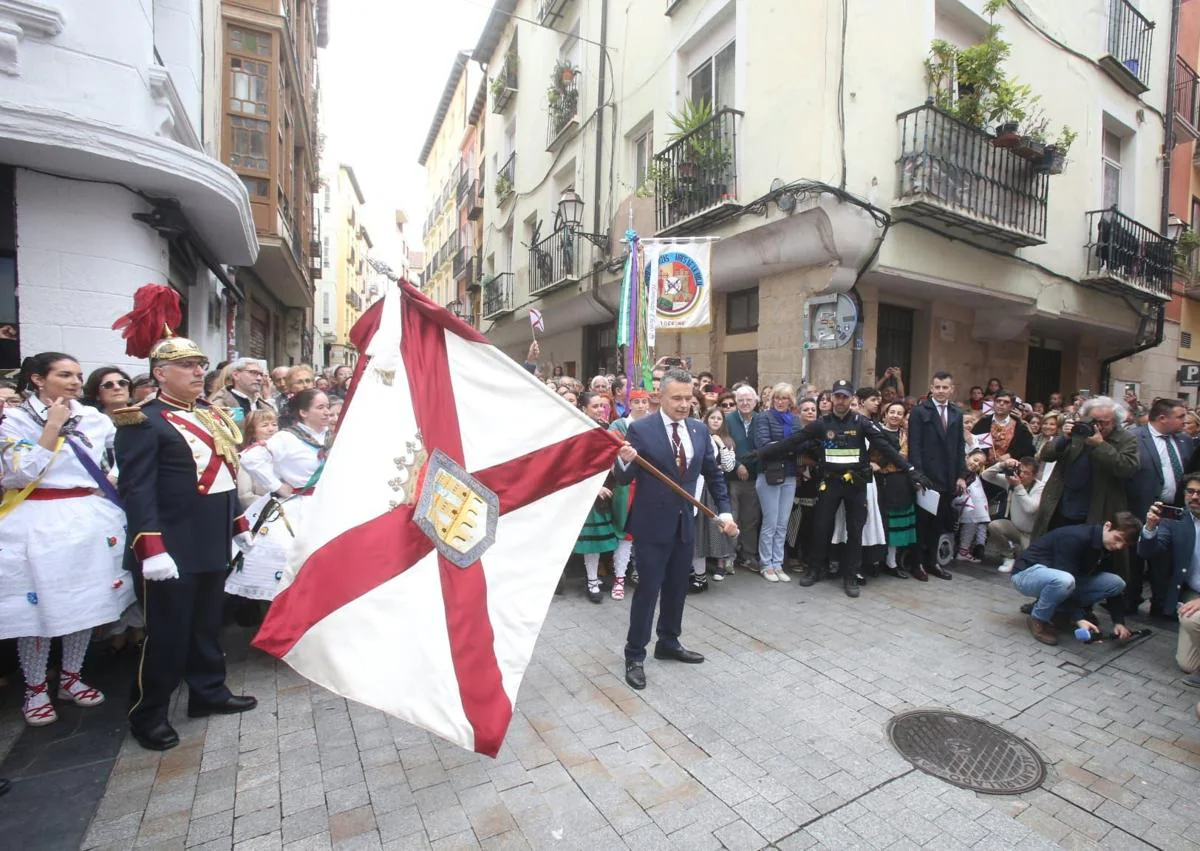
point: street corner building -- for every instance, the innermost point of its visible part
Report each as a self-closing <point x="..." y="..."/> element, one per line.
<point x="426" y="566"/>
<point x="117" y="119"/>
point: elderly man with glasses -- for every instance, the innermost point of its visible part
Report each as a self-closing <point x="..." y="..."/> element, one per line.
<point x="243" y="396"/>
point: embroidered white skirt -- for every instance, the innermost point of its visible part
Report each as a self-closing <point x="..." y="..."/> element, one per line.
<point x="872" y="535"/>
<point x="60" y="567"/>
<point x="262" y="568"/>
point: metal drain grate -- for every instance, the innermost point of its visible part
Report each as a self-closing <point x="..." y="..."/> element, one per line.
<point x="966" y="751"/>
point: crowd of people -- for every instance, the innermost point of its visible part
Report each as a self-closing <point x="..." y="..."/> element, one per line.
<point x="1085" y="502"/>
<point x="60" y="473"/>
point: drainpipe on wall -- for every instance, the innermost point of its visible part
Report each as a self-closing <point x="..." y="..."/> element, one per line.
<point x="1165" y="210"/>
<point x="594" y="289"/>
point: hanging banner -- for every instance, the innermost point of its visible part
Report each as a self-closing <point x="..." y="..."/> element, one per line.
<point x="680" y="284"/>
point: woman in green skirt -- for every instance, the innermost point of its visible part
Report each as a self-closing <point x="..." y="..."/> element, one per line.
<point x="896" y="493"/>
<point x="600" y="533"/>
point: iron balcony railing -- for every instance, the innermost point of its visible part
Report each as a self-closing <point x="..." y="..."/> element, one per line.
<point x="504" y="91"/>
<point x="951" y="171"/>
<point x="555" y="260"/>
<point x="698" y="171"/>
<point x="1124" y="256"/>
<point x="464" y="183"/>
<point x="1129" y="39"/>
<point x="497" y="295"/>
<point x="1187" y="98"/>
<point x="475" y="200"/>
<point x="564" y="107"/>
<point x="506" y="178"/>
<point x="460" y="262"/>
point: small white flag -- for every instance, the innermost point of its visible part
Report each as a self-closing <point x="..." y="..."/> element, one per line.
<point x="535" y="319"/>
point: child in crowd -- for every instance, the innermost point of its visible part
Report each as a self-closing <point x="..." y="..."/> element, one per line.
<point x="972" y="505"/>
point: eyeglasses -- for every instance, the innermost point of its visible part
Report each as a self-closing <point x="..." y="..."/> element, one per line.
<point x="728" y="404"/>
<point x="1188" y="491"/>
<point x="113" y="385"/>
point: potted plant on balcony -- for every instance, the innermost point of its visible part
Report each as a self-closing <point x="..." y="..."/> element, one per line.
<point x="1054" y="158"/>
<point x="564" y="72"/>
<point x="1185" y="248"/>
<point x="504" y="186"/>
<point x="686" y="122"/>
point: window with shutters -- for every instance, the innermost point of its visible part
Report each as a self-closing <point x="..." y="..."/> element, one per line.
<point x="1185" y="340"/>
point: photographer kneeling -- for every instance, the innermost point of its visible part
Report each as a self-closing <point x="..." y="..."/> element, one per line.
<point x="1170" y="531"/>
<point x="1072" y="566"/>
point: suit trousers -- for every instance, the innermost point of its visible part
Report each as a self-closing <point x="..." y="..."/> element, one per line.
<point x="183" y="625"/>
<point x="1187" y="648"/>
<point x="747" y="514"/>
<point x="663" y="571"/>
<point x="930" y="528"/>
<point x="854" y="497"/>
<point x="1155" y="570"/>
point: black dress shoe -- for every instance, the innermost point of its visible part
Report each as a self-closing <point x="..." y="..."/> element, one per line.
<point x="809" y="575"/>
<point x="919" y="574"/>
<point x="940" y="572"/>
<point x="236" y="703"/>
<point x="5" y="785"/>
<point x="896" y="572"/>
<point x="635" y="675"/>
<point x="160" y="738"/>
<point x="677" y="654"/>
<point x="850" y="586"/>
<point x="698" y="584"/>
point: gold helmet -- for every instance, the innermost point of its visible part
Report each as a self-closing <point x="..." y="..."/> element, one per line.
<point x="175" y="348"/>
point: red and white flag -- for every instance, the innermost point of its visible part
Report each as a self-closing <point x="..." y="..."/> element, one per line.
<point x="535" y="319"/>
<point x="447" y="508"/>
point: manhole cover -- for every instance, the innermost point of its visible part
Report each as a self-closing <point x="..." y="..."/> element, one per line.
<point x="966" y="751"/>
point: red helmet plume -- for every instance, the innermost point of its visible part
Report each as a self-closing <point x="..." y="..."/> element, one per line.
<point x="156" y="314"/>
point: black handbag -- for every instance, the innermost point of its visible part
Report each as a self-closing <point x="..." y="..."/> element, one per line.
<point x="775" y="471"/>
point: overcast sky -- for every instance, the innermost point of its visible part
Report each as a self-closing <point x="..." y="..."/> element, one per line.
<point x="381" y="78"/>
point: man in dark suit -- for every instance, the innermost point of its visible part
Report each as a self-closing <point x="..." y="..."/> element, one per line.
<point x="662" y="522"/>
<point x="177" y="456"/>
<point x="936" y="448"/>
<point x="1176" y="540"/>
<point x="1163" y="454"/>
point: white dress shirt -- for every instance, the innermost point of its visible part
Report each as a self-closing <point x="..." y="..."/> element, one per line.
<point x="689" y="451"/>
<point x="22" y="460"/>
<point x="1160" y="446"/>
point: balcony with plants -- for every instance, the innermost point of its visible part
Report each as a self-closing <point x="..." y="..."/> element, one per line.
<point x="1127" y="258"/>
<point x="506" y="177"/>
<point x="562" y="100"/>
<point x="504" y="85"/>
<point x="497" y="295"/>
<point x="1130" y="34"/>
<point x="976" y="157"/>
<point x="695" y="176"/>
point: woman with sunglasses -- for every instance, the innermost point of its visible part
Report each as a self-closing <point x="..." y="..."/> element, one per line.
<point x="107" y="388"/>
<point x="61" y="532"/>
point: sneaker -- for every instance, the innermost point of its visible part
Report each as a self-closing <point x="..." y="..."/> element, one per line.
<point x="618" y="589"/>
<point x="71" y="687"/>
<point x="783" y="577"/>
<point x="698" y="584"/>
<point x="967" y="556"/>
<point x="770" y="574"/>
<point x="593" y="591"/>
<point x="1006" y="566"/>
<point x="718" y="575"/>
<point x="38" y="710"/>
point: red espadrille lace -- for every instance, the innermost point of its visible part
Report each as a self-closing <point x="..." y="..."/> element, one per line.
<point x="38" y="714"/>
<point x="70" y="687"/>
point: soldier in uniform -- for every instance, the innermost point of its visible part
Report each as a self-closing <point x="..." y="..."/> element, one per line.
<point x="178" y="460"/>
<point x="840" y="440"/>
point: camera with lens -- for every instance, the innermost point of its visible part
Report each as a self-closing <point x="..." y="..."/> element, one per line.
<point x="1085" y="427"/>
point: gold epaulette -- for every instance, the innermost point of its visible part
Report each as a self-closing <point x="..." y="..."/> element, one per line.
<point x="132" y="415"/>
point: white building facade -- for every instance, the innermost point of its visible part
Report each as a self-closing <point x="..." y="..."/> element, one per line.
<point x="107" y="162"/>
<point x="835" y="178"/>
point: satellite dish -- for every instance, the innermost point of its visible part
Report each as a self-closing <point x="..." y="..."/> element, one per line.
<point x="786" y="201"/>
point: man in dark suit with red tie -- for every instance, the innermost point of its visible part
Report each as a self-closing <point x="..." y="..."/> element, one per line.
<point x="662" y="522"/>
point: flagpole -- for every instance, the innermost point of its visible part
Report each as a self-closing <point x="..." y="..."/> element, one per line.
<point x="666" y="480"/>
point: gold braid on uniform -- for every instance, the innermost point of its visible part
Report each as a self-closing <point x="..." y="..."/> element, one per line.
<point x="227" y="437"/>
<point x="131" y="415"/>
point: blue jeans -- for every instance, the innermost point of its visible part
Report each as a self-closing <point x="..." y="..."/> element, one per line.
<point x="776" y="503"/>
<point x="1053" y="587"/>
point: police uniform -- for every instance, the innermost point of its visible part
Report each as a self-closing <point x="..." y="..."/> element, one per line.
<point x="178" y="482"/>
<point x="841" y="446"/>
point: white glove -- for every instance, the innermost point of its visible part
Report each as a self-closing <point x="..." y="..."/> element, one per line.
<point x="244" y="541"/>
<point x="160" y="567"/>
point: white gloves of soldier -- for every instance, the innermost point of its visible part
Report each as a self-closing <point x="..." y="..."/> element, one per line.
<point x="160" y="567"/>
<point x="244" y="541"/>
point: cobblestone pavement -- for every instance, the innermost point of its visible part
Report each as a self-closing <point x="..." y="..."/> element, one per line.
<point x="776" y="741"/>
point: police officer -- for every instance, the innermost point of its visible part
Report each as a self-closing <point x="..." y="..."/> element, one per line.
<point x="840" y="441"/>
<point x="177" y="458"/>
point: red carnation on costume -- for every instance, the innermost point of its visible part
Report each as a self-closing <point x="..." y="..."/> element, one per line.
<point x="155" y="311"/>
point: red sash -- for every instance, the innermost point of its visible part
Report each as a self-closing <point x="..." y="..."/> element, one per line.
<point x="209" y="474"/>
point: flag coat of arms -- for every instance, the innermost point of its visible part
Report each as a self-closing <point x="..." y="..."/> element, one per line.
<point x="449" y="504"/>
